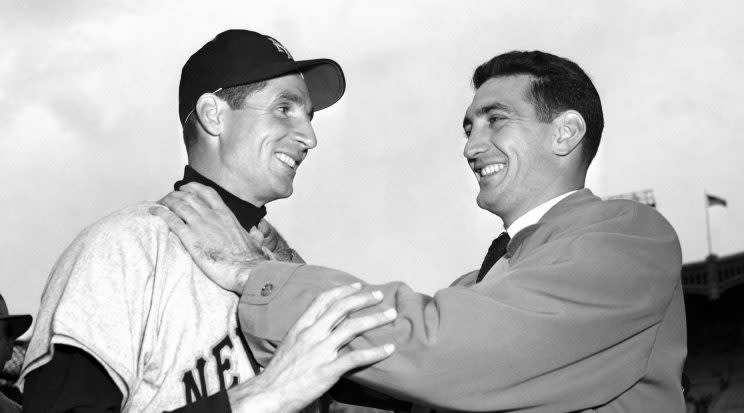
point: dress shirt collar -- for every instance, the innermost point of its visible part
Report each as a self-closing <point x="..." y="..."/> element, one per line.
<point x="534" y="215"/>
<point x="247" y="214"/>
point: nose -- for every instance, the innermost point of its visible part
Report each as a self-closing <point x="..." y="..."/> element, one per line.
<point x="305" y="134"/>
<point x="476" y="144"/>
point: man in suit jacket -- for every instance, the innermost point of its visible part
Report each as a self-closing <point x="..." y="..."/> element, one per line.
<point x="578" y="305"/>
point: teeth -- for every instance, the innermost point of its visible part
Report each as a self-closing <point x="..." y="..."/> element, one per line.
<point x="287" y="160"/>
<point x="491" y="169"/>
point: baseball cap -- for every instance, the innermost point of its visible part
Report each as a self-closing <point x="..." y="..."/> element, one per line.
<point x="17" y="324"/>
<point x="237" y="57"/>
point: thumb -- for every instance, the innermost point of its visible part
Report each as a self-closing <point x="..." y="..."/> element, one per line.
<point x="270" y="236"/>
<point x="256" y="235"/>
<point x="264" y="227"/>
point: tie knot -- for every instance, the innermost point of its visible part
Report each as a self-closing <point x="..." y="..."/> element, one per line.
<point x="495" y="252"/>
<point x="500" y="242"/>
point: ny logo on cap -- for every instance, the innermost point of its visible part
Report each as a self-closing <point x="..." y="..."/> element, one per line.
<point x="280" y="47"/>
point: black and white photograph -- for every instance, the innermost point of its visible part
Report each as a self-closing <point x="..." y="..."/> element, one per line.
<point x="367" y="207"/>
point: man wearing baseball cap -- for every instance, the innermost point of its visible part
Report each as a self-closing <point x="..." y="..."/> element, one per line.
<point x="128" y="321"/>
<point x="12" y="326"/>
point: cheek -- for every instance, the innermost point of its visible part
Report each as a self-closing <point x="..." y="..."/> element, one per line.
<point x="244" y="147"/>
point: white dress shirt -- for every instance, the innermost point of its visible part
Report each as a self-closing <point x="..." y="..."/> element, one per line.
<point x="534" y="215"/>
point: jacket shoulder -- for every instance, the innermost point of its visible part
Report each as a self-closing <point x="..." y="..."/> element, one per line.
<point x="610" y="216"/>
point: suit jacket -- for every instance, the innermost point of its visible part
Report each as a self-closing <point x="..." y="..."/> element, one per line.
<point x="584" y="313"/>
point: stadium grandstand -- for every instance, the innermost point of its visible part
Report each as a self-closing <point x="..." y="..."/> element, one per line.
<point x="714" y="292"/>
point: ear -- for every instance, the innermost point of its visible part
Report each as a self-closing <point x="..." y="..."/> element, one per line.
<point x="570" y="130"/>
<point x="207" y="111"/>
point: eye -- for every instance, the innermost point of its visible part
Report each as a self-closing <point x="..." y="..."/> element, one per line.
<point x="467" y="132"/>
<point x="284" y="110"/>
<point x="495" y="118"/>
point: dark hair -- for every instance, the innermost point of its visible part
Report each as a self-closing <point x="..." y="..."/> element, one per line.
<point x="234" y="96"/>
<point x="558" y="85"/>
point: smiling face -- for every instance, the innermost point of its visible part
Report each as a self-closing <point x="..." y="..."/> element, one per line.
<point x="509" y="149"/>
<point x="263" y="144"/>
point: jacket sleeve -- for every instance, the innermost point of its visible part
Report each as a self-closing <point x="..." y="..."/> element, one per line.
<point x="570" y="326"/>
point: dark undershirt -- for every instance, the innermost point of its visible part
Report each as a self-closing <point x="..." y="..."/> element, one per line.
<point x="247" y="214"/>
<point x="73" y="381"/>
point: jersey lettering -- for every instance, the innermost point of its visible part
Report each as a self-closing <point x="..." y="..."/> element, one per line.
<point x="223" y="365"/>
<point x="194" y="391"/>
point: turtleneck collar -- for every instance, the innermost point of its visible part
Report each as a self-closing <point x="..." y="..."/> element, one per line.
<point x="248" y="214"/>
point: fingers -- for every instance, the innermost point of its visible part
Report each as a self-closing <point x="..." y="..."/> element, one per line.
<point x="321" y="303"/>
<point x="313" y="346"/>
<point x="257" y="236"/>
<point x="341" y="308"/>
<point x="264" y="227"/>
<point x="270" y="237"/>
<point x="187" y="206"/>
<point x="205" y="193"/>
<point x="174" y="223"/>
<point x="352" y="327"/>
<point x="359" y="358"/>
<point x="287" y="255"/>
<point x="194" y="201"/>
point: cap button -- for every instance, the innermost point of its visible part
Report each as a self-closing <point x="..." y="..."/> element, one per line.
<point x="266" y="290"/>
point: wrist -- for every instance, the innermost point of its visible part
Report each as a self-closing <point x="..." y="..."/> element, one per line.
<point x="242" y="277"/>
<point x="243" y="272"/>
<point x="261" y="394"/>
<point x="251" y="396"/>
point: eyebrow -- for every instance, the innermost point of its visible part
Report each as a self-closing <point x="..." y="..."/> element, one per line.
<point x="487" y="108"/>
<point x="297" y="99"/>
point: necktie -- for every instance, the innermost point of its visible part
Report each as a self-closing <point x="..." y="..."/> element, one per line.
<point x="495" y="251"/>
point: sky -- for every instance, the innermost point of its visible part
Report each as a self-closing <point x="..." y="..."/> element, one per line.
<point x="88" y="107"/>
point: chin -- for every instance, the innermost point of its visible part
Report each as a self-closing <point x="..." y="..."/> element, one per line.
<point x="284" y="192"/>
<point x="487" y="203"/>
<point x="482" y="201"/>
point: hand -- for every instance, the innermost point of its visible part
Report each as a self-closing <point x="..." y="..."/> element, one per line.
<point x="209" y="231"/>
<point x="308" y="362"/>
<point x="275" y="243"/>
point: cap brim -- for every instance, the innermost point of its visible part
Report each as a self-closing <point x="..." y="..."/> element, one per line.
<point x="324" y="78"/>
<point x="325" y="81"/>
<point x="17" y="324"/>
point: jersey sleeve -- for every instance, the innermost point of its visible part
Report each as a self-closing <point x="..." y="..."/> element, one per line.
<point x="71" y="382"/>
<point x="98" y="297"/>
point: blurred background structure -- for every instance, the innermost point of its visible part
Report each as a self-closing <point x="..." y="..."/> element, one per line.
<point x="714" y="293"/>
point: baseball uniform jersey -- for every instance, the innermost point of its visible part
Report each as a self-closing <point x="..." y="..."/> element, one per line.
<point x="127" y="292"/>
